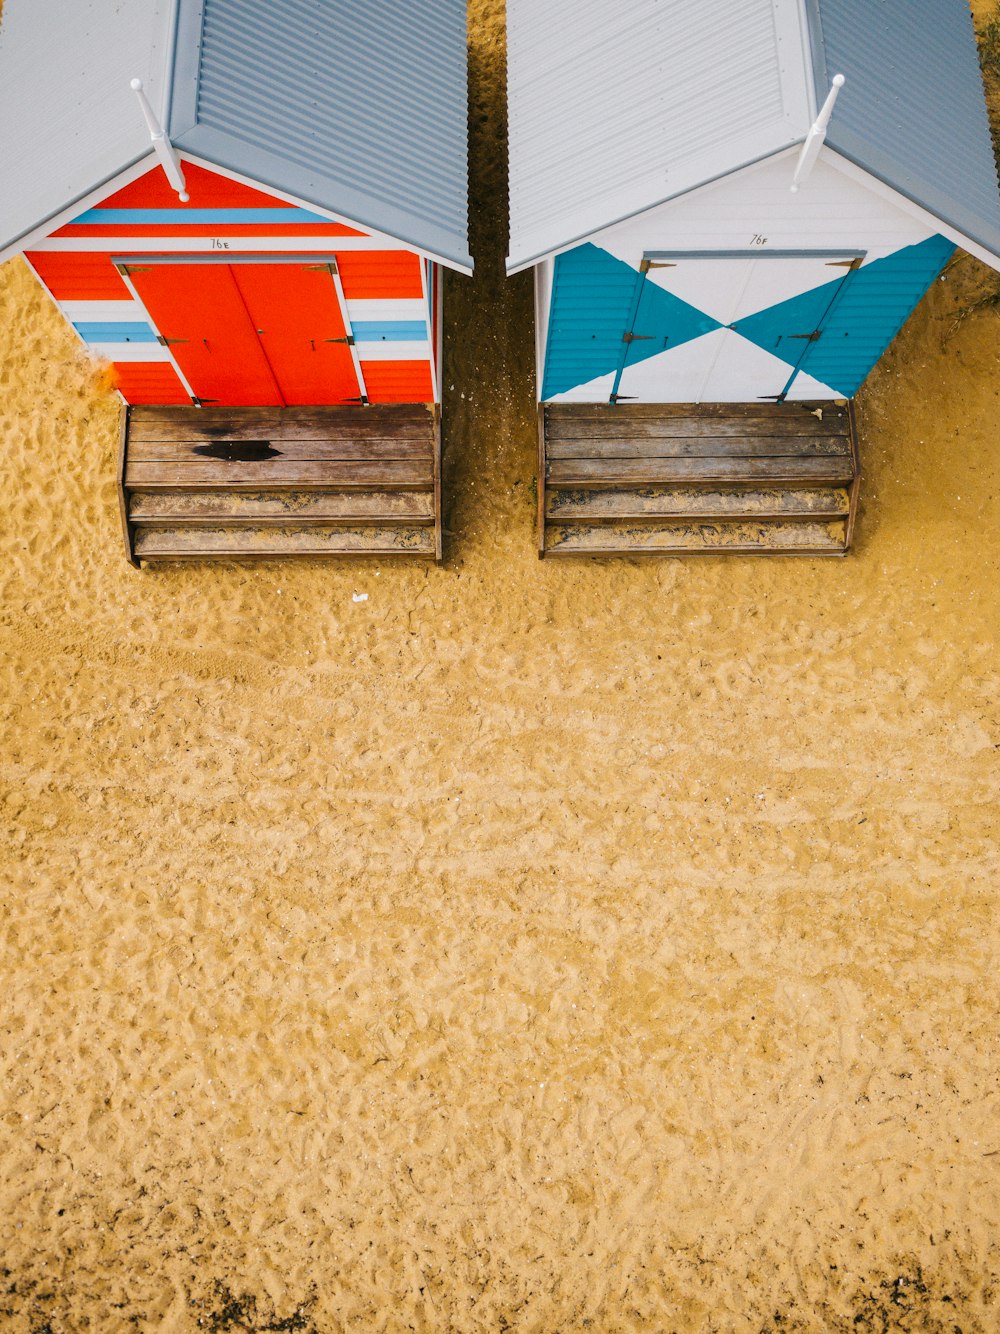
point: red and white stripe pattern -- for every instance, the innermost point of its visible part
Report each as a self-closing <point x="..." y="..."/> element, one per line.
<point x="390" y="293"/>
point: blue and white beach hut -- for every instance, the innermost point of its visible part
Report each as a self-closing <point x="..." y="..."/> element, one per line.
<point x="731" y="210"/>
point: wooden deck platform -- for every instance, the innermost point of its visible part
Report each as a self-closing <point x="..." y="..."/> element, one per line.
<point x="686" y="479"/>
<point x="257" y="483"/>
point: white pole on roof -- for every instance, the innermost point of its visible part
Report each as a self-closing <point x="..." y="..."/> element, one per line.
<point x="817" y="135"/>
<point x="162" y="146"/>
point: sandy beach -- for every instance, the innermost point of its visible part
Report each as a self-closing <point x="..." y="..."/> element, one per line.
<point x="532" y="947"/>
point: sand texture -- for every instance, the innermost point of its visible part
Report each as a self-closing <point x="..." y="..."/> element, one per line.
<point x="537" y="947"/>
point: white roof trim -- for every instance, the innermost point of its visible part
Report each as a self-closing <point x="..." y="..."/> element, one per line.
<point x="907" y="205"/>
<point x="745" y="168"/>
<point x="344" y="221"/>
<point x="31" y="240"/>
<point x="69" y="121"/>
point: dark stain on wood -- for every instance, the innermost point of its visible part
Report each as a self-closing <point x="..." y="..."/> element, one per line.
<point x="238" y="451"/>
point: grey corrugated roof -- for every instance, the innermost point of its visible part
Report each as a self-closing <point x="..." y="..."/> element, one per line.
<point x="359" y="109"/>
<point x="912" y="111"/>
<point x="69" y="122"/>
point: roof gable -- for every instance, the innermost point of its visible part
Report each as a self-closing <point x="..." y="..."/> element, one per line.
<point x="617" y="109"/>
<point x="912" y="111"/>
<point x="69" y="122"/>
<point x="614" y="109"/>
<point x="357" y="109"/>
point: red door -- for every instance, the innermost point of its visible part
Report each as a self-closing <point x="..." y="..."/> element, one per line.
<point x="248" y="335"/>
<point x="296" y="313"/>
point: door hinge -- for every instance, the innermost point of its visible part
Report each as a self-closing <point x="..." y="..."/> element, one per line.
<point x="132" y="268"/>
<point x="363" y="400"/>
<point x="169" y="342"/>
<point x="349" y="340"/>
<point x="329" y="267"/>
<point x="618" y="398"/>
<point x="845" y="263"/>
<point x="648" y="264"/>
<point x="636" y="338"/>
<point x="809" y="337"/>
<point x="773" y="398"/>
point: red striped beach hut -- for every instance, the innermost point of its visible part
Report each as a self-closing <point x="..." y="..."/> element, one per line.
<point x="247" y="210"/>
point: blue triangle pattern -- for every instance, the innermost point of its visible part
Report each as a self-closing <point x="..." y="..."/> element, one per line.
<point x="775" y="328"/>
<point x="663" y="322"/>
<point x="593" y="295"/>
<point x="592" y="298"/>
<point x="875" y="303"/>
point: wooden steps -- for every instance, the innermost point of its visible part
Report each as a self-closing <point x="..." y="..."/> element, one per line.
<point x="258" y="483"/>
<point x="688" y="479"/>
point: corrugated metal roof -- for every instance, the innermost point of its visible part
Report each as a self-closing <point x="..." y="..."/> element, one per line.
<point x="357" y="109"/>
<point x="615" y="108"/>
<point x="69" y="122"/>
<point x="912" y="111"/>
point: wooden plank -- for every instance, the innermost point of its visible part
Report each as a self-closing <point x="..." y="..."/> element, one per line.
<point x="186" y="451"/>
<point x="697" y="539"/>
<point x="762" y="446"/>
<point x="697" y="503"/>
<point x="658" y="471"/>
<point x="334" y="475"/>
<point x="540" y="485"/>
<point x="856" y="484"/>
<point x="262" y="543"/>
<point x="120" y="481"/>
<point x="438" y="524"/>
<point x="617" y="424"/>
<point x="295" y="507"/>
<point x="387" y="421"/>
<point x="658" y="411"/>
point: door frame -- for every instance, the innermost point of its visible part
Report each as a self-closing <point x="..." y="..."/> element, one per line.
<point x="122" y="262"/>
<point x="651" y="258"/>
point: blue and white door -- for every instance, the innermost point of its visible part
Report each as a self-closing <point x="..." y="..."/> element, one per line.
<point x="763" y="314"/>
<point x="726" y="326"/>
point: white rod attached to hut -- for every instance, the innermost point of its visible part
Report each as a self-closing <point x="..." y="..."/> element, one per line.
<point x="162" y="146"/>
<point x="817" y="136"/>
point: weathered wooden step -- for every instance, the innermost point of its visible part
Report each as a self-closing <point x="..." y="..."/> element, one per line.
<point x="658" y="471"/>
<point x="272" y="474"/>
<point x="654" y="503"/>
<point x="694" y="447"/>
<point x="657" y="420"/>
<point x="395" y="421"/>
<point x="244" y="542"/>
<point x="209" y="508"/>
<point x="803" y="537"/>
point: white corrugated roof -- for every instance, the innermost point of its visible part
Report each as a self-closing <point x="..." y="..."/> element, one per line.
<point x="614" y="108"/>
<point x="69" y="122"/>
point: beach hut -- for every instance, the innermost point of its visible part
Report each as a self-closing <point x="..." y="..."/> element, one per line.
<point x="246" y="209"/>
<point x="730" y="210"/>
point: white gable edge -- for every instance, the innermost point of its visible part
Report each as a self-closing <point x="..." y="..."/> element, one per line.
<point x="515" y="265"/>
<point x="344" y="221"/>
<point x="873" y="184"/>
<point x="907" y="205"/>
<point x="139" y="168"/>
<point x="28" y="240"/>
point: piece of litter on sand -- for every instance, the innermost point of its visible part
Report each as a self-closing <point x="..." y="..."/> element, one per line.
<point x="359" y="597"/>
